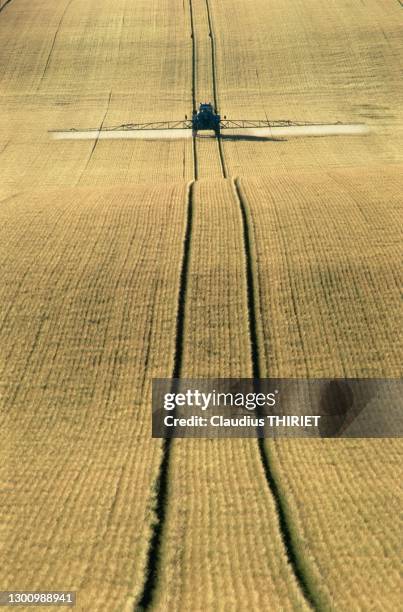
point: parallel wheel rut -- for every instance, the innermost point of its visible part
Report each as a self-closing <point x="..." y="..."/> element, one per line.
<point x="162" y="483"/>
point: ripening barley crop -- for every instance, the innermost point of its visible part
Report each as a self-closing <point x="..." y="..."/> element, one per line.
<point x="83" y="66"/>
<point x="343" y="500"/>
<point x="326" y="251"/>
<point x="216" y="303"/>
<point x="89" y="294"/>
<point x="221" y="533"/>
<point x="327" y="275"/>
<point x="104" y="243"/>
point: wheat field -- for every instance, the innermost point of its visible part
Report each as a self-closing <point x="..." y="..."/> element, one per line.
<point x="124" y="260"/>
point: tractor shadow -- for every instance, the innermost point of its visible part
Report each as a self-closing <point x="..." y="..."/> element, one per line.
<point x="243" y="137"/>
<point x="250" y="138"/>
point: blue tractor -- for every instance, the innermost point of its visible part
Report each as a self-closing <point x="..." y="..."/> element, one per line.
<point x="206" y="118"/>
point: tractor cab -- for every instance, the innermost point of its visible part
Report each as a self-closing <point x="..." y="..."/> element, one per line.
<point x="206" y="118"/>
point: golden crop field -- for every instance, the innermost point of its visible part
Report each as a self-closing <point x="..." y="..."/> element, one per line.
<point x="123" y="260"/>
<point x="77" y="476"/>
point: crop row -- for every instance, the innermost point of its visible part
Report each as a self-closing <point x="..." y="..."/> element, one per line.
<point x="326" y="252"/>
<point x="89" y="296"/>
<point x="221" y="543"/>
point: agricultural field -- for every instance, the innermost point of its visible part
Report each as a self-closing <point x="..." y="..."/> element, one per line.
<point x="77" y="476"/>
<point x="123" y="260"/>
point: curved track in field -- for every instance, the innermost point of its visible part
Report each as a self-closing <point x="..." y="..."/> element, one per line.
<point x="163" y="478"/>
<point x="285" y="530"/>
<point x="162" y="484"/>
<point x="214" y="84"/>
<point x="290" y="269"/>
<point x="3" y="6"/>
<point x="290" y="549"/>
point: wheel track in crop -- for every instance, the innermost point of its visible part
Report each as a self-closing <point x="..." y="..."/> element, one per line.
<point x="285" y="530"/>
<point x="192" y="34"/>
<point x="214" y="83"/>
<point x="162" y="484"/>
<point x="4" y="5"/>
<point x="213" y="80"/>
<point x="275" y="490"/>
